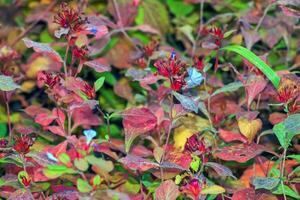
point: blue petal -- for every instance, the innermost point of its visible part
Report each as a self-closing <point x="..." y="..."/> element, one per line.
<point x="194" y="78"/>
<point x="89" y="134"/>
<point x="50" y="156"/>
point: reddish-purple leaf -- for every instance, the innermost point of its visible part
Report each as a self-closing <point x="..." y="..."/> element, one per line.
<point x="229" y="136"/>
<point x="138" y="163"/>
<point x="42" y="48"/>
<point x="220" y="169"/>
<point x="44" y="119"/>
<point x="245" y="194"/>
<point x="137" y="121"/>
<point x="56" y="130"/>
<point x="240" y="153"/>
<point x="84" y="116"/>
<point x="99" y="65"/>
<point x="168" y="190"/>
<point x="147" y="28"/>
<point x="290" y="11"/>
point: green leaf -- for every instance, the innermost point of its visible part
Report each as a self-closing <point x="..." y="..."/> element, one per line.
<point x="195" y="164"/>
<point x="256" y="61"/>
<point x="213" y="189"/>
<point x="287" y="191"/>
<point x="179" y="8"/>
<point x="295" y="156"/>
<point x="265" y="182"/>
<point x="104" y="165"/>
<point x="156" y="15"/>
<point x="99" y="83"/>
<point x="292" y="124"/>
<point x="97" y="180"/>
<point x="279" y="131"/>
<point x="64" y="158"/>
<point x="54" y="171"/>
<point x="7" y="83"/>
<point x="81" y="164"/>
<point x="83" y="186"/>
<point x="286" y="130"/>
<point x="231" y="87"/>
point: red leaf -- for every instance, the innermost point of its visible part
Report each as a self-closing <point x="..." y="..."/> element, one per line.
<point x="229" y="136"/>
<point x="60" y="116"/>
<point x="177" y="157"/>
<point x="277" y="117"/>
<point x="43" y="48"/>
<point x="56" y="130"/>
<point x="290" y="11"/>
<point x="240" y="153"/>
<point x="34" y="110"/>
<point x="137" y="163"/>
<point x="58" y="149"/>
<point x="168" y="190"/>
<point x="253" y="86"/>
<point x="84" y="116"/>
<point x="137" y="121"/>
<point x="99" y="65"/>
<point x="44" y="119"/>
<point x="245" y="194"/>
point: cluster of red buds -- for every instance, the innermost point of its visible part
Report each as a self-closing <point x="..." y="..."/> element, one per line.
<point x="289" y="92"/>
<point x="198" y="63"/>
<point x="23" y="143"/>
<point x="48" y="79"/>
<point x="148" y="51"/>
<point x="216" y="33"/>
<point x="193" y="188"/>
<point x="68" y="18"/>
<point x="196" y="145"/>
<point x="173" y="69"/>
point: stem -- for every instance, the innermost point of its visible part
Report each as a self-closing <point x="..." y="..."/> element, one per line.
<point x="69" y="123"/>
<point x="65" y="59"/>
<point x="282" y="172"/>
<point x="168" y="134"/>
<point x="200" y="28"/>
<point x="8" y="118"/>
<point x="34" y="23"/>
<point x="263" y="17"/>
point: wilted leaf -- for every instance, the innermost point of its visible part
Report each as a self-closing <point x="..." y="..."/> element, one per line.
<point x="220" y="169"/>
<point x="231" y="87"/>
<point x="187" y="102"/>
<point x="138" y="163"/>
<point x="168" y="190"/>
<point x="42" y="48"/>
<point x="240" y="153"/>
<point x="99" y="65"/>
<point x="7" y="83"/>
<point x="265" y="182"/>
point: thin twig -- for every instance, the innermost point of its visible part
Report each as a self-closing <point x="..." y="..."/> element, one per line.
<point x="26" y="31"/>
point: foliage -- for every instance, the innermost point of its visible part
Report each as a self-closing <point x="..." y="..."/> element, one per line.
<point x="149" y="99"/>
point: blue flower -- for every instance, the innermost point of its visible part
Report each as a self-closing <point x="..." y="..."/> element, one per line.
<point x="194" y="78"/>
<point x="50" y="156"/>
<point x="89" y="134"/>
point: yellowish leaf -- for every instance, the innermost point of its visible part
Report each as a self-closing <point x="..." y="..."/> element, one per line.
<point x="40" y="63"/>
<point x="181" y="134"/>
<point x="214" y="189"/>
<point x="27" y="86"/>
<point x="249" y="128"/>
